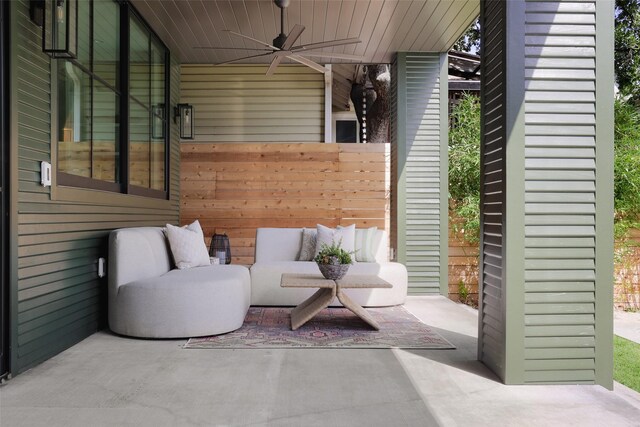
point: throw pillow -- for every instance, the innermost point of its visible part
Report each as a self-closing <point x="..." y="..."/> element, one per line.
<point x="308" y="247"/>
<point x="349" y="238"/>
<point x="364" y="244"/>
<point x="345" y="236"/>
<point x="187" y="245"/>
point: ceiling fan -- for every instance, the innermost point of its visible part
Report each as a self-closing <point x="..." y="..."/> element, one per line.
<point x="282" y="47"/>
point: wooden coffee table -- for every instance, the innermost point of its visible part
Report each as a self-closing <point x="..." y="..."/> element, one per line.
<point x="328" y="290"/>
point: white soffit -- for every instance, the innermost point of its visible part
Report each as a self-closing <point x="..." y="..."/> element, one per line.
<point x="384" y="26"/>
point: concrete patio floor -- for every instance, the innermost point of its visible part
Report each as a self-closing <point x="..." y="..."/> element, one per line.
<point x="109" y="380"/>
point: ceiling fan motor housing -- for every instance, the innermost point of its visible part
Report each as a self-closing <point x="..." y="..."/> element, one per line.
<point x="279" y="41"/>
<point x="281" y="3"/>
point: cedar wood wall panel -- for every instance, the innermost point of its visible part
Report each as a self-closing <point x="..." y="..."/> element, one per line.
<point x="238" y="103"/>
<point x="236" y="188"/>
<point x="60" y="299"/>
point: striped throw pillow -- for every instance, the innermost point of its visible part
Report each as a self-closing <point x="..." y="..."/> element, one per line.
<point x="364" y="244"/>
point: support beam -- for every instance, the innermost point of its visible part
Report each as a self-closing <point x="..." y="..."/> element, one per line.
<point x="328" y="104"/>
<point x="419" y="140"/>
<point x="546" y="192"/>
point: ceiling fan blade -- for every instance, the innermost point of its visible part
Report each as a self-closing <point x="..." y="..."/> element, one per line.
<point x="331" y="55"/>
<point x="329" y="43"/>
<point x="231" y="48"/>
<point x="293" y="36"/>
<point x="309" y="63"/>
<point x="252" y="39"/>
<point x="244" y="57"/>
<point x="274" y="64"/>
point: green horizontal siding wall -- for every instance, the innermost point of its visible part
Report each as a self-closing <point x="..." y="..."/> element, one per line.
<point x="57" y="298"/>
<point x="238" y="103"/>
<point x="420" y="139"/>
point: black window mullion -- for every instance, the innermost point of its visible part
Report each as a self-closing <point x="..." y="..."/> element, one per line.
<point x="167" y="128"/>
<point x="91" y="88"/>
<point x="150" y="124"/>
<point x="124" y="98"/>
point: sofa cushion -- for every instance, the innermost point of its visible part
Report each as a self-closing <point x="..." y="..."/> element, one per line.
<point x="183" y="303"/>
<point x="277" y="244"/>
<point x="283" y="244"/>
<point x="344" y="236"/>
<point x="308" y="246"/>
<point x="137" y="253"/>
<point x="364" y="244"/>
<point x="187" y="245"/>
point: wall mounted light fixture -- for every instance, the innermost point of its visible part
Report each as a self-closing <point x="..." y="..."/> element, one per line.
<point x="183" y="116"/>
<point x="59" y="22"/>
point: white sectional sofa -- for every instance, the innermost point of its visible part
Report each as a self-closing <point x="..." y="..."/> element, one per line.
<point x="148" y="299"/>
<point x="276" y="253"/>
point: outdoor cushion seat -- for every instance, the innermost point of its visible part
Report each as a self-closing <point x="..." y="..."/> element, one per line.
<point x="148" y="299"/>
<point x="276" y="253"/>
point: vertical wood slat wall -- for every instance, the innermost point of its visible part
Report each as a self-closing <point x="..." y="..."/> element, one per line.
<point x="56" y="294"/>
<point x="236" y="188"/>
<point x="238" y="103"/>
<point x="419" y="139"/>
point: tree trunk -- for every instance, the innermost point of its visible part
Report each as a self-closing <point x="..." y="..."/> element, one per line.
<point x="378" y="111"/>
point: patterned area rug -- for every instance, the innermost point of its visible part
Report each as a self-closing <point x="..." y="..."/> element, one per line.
<point x="270" y="327"/>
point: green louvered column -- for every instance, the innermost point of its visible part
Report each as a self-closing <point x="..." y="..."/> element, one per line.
<point x="547" y="191"/>
<point x="419" y="134"/>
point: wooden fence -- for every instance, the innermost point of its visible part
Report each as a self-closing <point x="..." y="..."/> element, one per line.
<point x="237" y="188"/>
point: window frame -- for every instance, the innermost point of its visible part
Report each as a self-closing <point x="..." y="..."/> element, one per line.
<point x="123" y="186"/>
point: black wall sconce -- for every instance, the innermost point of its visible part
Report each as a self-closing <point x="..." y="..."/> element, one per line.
<point x="183" y="116"/>
<point x="59" y="22"/>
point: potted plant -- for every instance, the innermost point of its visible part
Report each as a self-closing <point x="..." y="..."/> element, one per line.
<point x="333" y="261"/>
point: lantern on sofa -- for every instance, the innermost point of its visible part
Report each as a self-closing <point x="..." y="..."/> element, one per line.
<point x="219" y="246"/>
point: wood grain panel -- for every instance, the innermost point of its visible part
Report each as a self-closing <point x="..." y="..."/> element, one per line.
<point x="236" y="188"/>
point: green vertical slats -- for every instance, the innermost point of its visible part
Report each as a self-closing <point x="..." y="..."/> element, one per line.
<point x="58" y="296"/>
<point x="419" y="143"/>
<point x="491" y="334"/>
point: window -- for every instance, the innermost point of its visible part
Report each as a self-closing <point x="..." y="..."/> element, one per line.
<point x="112" y="120"/>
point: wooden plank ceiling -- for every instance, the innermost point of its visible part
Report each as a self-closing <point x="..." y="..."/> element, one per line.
<point x="383" y="26"/>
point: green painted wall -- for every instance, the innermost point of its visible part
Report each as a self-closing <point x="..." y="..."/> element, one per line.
<point x="419" y="140"/>
<point x="547" y="164"/>
<point x="238" y="103"/>
<point x="58" y="233"/>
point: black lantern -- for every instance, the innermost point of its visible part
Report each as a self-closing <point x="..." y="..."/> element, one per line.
<point x="183" y="115"/>
<point x="59" y="20"/>
<point x="219" y="246"/>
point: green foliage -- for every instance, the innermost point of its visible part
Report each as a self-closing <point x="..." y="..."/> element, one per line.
<point x="464" y="166"/>
<point x="470" y="40"/>
<point x="626" y="362"/>
<point x="333" y="254"/>
<point x="626" y="167"/>
<point x="627" y="48"/>
<point x="463" y="291"/>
